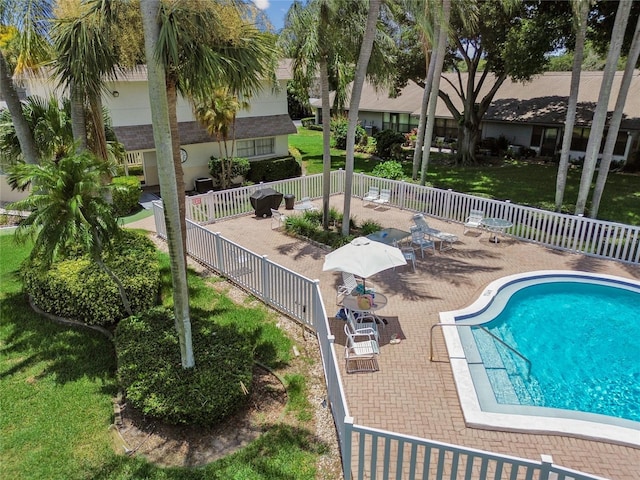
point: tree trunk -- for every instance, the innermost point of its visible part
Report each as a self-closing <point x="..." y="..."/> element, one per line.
<point x="433" y="97"/>
<point x="166" y="173"/>
<point x="172" y="99"/>
<point x="78" y="120"/>
<point x="23" y="132"/>
<point x="326" y="140"/>
<point x="354" y="103"/>
<point x="614" y="124"/>
<point x="97" y="122"/>
<point x="420" y="140"/>
<point x="582" y="12"/>
<point x="600" y="115"/>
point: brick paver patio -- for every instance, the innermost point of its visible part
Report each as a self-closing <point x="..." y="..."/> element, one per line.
<point x="410" y="394"/>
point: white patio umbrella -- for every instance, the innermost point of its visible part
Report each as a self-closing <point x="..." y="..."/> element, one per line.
<point x="363" y="257"/>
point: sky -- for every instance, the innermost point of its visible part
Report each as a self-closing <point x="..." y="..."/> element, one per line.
<point x="275" y="10"/>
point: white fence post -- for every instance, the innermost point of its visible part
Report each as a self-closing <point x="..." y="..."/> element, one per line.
<point x="545" y="468"/>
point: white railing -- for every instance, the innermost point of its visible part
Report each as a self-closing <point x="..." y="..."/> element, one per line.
<point x="615" y="241"/>
<point x="366" y="452"/>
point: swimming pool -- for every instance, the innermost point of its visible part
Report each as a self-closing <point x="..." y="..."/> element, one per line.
<point x="576" y="370"/>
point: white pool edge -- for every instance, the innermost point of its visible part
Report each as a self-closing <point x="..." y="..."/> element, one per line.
<point x="474" y="415"/>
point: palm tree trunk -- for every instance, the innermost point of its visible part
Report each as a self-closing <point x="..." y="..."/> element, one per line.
<point x="354" y="103"/>
<point x="23" y="132"/>
<point x="435" y="88"/>
<point x="326" y="140"/>
<point x="582" y="11"/>
<point x="166" y="173"/>
<point x="78" y="120"/>
<point x="420" y="140"/>
<point x="97" y="122"/>
<point x="172" y="99"/>
<point x="614" y="124"/>
<point x="600" y="115"/>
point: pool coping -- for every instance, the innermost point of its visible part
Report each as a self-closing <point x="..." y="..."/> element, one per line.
<point x="525" y="419"/>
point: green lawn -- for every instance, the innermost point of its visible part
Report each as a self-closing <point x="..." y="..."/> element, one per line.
<point x="525" y="183"/>
<point x="57" y="387"/>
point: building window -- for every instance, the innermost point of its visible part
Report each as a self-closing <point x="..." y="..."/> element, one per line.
<point x="256" y="147"/>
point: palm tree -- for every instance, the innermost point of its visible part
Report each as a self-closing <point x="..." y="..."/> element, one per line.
<point x="68" y="209"/>
<point x="581" y="13"/>
<point x="49" y="121"/>
<point x="616" y="119"/>
<point x="218" y="116"/>
<point x="600" y="114"/>
<point x="203" y="46"/>
<point x="31" y="18"/>
<point x="356" y="94"/>
<point x="150" y="10"/>
<point x="438" y="61"/>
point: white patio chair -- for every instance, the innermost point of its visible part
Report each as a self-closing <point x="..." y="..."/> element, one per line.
<point x="305" y="204"/>
<point x="360" y="352"/>
<point x="418" y="238"/>
<point x="410" y="256"/>
<point x="374" y="193"/>
<point x="474" y="220"/>
<point x="384" y="198"/>
<point x="278" y="218"/>
<point x="446" y="239"/>
<point x="421" y="223"/>
<point x="363" y="324"/>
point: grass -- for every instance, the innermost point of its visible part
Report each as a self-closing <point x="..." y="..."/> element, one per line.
<point x="57" y="387"/>
<point x="522" y="182"/>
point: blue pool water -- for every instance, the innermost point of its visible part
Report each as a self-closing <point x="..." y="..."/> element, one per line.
<point x="583" y="340"/>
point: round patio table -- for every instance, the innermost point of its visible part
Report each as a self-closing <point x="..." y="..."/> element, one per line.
<point x="496" y="225"/>
<point x="379" y="301"/>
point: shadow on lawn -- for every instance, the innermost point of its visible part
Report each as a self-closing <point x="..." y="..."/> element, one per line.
<point x="66" y="354"/>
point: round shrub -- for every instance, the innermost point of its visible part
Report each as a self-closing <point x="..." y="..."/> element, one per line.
<point x="389" y="169"/>
<point x="126" y="194"/>
<point x="385" y="140"/>
<point x="78" y="288"/>
<point x="339" y="127"/>
<point x="151" y="373"/>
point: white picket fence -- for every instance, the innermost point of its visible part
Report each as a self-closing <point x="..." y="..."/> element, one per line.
<point x="614" y="241"/>
<point x="366" y="452"/>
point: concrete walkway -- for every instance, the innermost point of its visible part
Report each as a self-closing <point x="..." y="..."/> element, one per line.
<point x="410" y="394"/>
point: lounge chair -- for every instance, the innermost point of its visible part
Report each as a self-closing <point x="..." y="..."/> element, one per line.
<point x="374" y="193"/>
<point x="384" y="198"/>
<point x="363" y="324"/>
<point x="305" y="204"/>
<point x="446" y="239"/>
<point x="474" y="220"/>
<point x="418" y="238"/>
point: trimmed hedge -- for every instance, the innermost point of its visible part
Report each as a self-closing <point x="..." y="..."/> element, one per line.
<point x="78" y="288"/>
<point x="385" y="140"/>
<point x="274" y="169"/>
<point x="126" y="195"/>
<point x="151" y="373"/>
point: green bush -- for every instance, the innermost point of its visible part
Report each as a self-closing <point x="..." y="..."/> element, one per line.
<point x="385" y="140"/>
<point x="369" y="226"/>
<point x="389" y="169"/>
<point x="339" y="127"/>
<point x="315" y="127"/>
<point x="151" y="373"/>
<point x="308" y="121"/>
<point x="274" y="169"/>
<point x="78" y="288"/>
<point x="126" y="195"/>
<point x="224" y="170"/>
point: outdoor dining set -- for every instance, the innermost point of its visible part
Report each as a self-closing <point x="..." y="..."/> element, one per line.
<point x="379" y="251"/>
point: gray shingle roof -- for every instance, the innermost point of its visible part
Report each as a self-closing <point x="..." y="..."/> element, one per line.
<point x="542" y="100"/>
<point x="140" y="137"/>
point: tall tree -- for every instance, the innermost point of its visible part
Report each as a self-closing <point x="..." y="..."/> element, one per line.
<point x="31" y="18"/>
<point x="354" y="103"/>
<point x="616" y="119"/>
<point x="600" y="114"/>
<point x="581" y="13"/>
<point x="323" y="39"/>
<point x="218" y="115"/>
<point x="150" y="10"/>
<point x="438" y="61"/>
